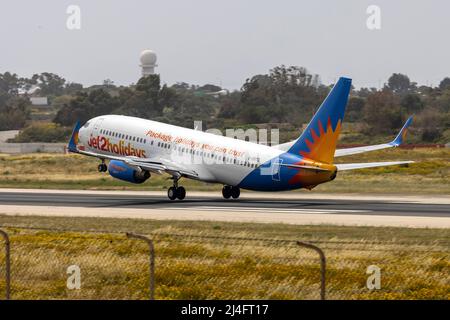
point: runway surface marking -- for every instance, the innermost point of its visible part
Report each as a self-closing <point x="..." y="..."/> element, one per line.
<point x="291" y="208"/>
<point x="258" y="209"/>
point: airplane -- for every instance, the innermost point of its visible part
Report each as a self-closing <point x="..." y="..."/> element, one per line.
<point x="137" y="148"/>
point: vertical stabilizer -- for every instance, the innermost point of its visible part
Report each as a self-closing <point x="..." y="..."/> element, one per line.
<point x="318" y="141"/>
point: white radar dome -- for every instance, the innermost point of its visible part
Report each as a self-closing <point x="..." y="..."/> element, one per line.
<point x="148" y="57"/>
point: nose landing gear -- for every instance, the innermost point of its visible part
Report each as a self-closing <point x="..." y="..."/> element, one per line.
<point x="102" y="167"/>
<point x="231" y="192"/>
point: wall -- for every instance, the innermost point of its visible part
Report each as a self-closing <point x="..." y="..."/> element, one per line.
<point x="33" y="147"/>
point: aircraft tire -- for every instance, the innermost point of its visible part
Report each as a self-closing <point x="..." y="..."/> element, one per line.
<point x="235" y="192"/>
<point x="172" y="193"/>
<point x="226" y="192"/>
<point x="181" y="193"/>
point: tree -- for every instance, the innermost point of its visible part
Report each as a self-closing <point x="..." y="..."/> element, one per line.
<point x="445" y="84"/>
<point x="209" y="88"/>
<point x="9" y="83"/>
<point x="355" y="108"/>
<point x="85" y="106"/>
<point x="430" y="123"/>
<point x="14" y="112"/>
<point x="412" y="103"/>
<point x="399" y="83"/>
<point x="108" y="83"/>
<point x="290" y="94"/>
<point x="382" y="113"/>
<point x="72" y="88"/>
<point x="145" y="101"/>
<point x="50" y="84"/>
<point x="182" y="86"/>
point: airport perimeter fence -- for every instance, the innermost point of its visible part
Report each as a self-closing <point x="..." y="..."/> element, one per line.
<point x="64" y="264"/>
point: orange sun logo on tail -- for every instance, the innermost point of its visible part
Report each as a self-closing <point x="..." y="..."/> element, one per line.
<point x="323" y="143"/>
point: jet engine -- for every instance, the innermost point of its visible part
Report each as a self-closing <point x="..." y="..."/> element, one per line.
<point x="120" y="170"/>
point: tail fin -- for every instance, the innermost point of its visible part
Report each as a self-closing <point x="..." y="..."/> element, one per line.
<point x="318" y="141"/>
<point x="74" y="138"/>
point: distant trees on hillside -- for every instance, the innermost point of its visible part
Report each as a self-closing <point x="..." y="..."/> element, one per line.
<point x="287" y="94"/>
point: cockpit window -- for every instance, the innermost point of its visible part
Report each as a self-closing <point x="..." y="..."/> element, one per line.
<point x="87" y="124"/>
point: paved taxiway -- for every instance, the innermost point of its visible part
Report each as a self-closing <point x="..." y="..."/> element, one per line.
<point x="291" y="208"/>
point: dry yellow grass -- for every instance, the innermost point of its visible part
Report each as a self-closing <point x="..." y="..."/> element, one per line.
<point x="429" y="175"/>
<point x="201" y="260"/>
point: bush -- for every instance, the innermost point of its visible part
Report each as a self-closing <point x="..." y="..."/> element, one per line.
<point x="43" y="132"/>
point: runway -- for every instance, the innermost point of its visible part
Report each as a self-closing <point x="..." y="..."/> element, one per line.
<point x="291" y="208"/>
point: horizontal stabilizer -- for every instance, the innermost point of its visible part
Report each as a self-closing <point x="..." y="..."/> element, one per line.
<point x="394" y="143"/>
<point x="353" y="166"/>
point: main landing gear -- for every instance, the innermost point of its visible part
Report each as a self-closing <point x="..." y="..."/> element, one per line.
<point x="231" y="192"/>
<point x="176" y="192"/>
<point x="102" y="167"/>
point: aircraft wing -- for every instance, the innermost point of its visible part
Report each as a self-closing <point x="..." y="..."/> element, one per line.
<point x="348" y="151"/>
<point x="151" y="164"/>
<point x="353" y="166"/>
<point x="394" y="143"/>
<point x="162" y="165"/>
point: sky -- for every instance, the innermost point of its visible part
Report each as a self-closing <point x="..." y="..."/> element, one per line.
<point x="226" y="42"/>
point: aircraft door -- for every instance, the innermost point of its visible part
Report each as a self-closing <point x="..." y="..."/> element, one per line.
<point x="97" y="126"/>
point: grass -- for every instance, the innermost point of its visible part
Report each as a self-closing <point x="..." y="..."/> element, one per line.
<point x="429" y="175"/>
<point x="214" y="260"/>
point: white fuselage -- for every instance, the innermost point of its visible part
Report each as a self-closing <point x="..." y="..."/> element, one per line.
<point x="214" y="158"/>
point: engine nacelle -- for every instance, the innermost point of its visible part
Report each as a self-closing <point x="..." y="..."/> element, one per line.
<point x="120" y="170"/>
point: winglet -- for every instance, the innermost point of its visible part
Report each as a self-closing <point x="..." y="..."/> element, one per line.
<point x="402" y="134"/>
<point x="72" y="147"/>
